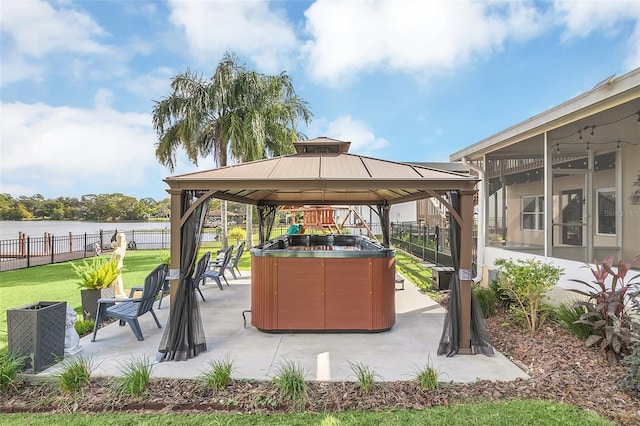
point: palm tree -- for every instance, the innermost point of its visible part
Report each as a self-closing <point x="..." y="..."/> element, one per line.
<point x="237" y="112"/>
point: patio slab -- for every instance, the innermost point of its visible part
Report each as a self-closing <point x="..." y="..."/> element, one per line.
<point x="397" y="354"/>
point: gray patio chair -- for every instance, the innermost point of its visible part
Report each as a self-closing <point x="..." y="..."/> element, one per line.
<point x="217" y="268"/>
<point x="128" y="310"/>
<point x="233" y="265"/>
<point x="198" y="275"/>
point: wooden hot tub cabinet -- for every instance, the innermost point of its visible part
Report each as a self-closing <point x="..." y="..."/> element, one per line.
<point x="323" y="283"/>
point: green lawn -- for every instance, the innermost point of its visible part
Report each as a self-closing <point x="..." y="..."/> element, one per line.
<point x="56" y="282"/>
<point x="494" y="414"/>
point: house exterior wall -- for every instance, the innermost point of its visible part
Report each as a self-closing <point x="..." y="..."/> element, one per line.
<point x="630" y="209"/>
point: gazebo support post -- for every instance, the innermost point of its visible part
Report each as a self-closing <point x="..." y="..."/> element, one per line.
<point x="261" y="225"/>
<point x="466" y="248"/>
<point x="176" y="239"/>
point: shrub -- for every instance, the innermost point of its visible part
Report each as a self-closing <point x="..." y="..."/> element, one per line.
<point x="135" y="377"/>
<point x="219" y="375"/>
<point x="606" y="307"/>
<point x="365" y="376"/>
<point x="526" y="282"/>
<point x="501" y="295"/>
<point x="427" y="377"/>
<point x="75" y="374"/>
<point x="11" y="366"/>
<point x="567" y="315"/>
<point x="164" y="257"/>
<point x="237" y="234"/>
<point x="487" y="299"/>
<point x="631" y="363"/>
<point x="290" y="381"/>
<point x="84" y="327"/>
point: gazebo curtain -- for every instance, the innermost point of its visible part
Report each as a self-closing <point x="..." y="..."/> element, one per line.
<point x="183" y="336"/>
<point x="266" y="218"/>
<point x="449" y="342"/>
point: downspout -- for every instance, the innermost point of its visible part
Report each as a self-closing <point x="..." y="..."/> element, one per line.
<point x="481" y="219"/>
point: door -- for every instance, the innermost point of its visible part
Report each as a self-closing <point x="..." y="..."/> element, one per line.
<point x="572" y="206"/>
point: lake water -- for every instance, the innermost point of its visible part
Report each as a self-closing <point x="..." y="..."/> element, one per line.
<point x="9" y="230"/>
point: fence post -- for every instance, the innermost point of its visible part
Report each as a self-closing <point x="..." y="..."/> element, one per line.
<point x="52" y="247"/>
<point x="101" y="240"/>
<point x="28" y="251"/>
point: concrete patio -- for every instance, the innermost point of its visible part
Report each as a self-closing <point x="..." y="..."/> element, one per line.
<point x="397" y="354"/>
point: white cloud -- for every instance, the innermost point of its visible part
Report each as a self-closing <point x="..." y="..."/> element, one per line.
<point x="582" y="18"/>
<point x="37" y="28"/>
<point x="363" y="139"/>
<point x="408" y="36"/>
<point x="42" y="39"/>
<point x="249" y="28"/>
<point x="154" y="85"/>
<point x="633" y="58"/>
<point x="65" y="148"/>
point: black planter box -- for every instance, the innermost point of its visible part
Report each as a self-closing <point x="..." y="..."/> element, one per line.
<point x="37" y="332"/>
<point x="90" y="300"/>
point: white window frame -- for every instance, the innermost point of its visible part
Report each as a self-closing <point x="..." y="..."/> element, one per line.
<point x="537" y="214"/>
<point x="598" y="191"/>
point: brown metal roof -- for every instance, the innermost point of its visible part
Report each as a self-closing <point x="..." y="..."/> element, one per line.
<point x="323" y="178"/>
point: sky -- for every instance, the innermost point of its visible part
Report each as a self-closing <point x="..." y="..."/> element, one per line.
<point x="402" y="80"/>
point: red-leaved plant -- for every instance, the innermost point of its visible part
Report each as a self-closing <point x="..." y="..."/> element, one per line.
<point x="606" y="307"/>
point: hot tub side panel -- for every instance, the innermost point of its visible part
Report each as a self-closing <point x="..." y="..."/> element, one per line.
<point x="384" y="293"/>
<point x="349" y="294"/>
<point x="264" y="277"/>
<point x="301" y="294"/>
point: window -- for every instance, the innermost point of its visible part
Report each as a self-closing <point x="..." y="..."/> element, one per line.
<point x="606" y="208"/>
<point x="533" y="212"/>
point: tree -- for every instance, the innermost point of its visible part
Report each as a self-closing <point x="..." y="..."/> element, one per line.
<point x="237" y="113"/>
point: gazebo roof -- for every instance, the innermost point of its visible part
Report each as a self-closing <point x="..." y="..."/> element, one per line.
<point x="321" y="177"/>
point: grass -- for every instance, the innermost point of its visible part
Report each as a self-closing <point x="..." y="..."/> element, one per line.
<point x="219" y="374"/>
<point x="427" y="377"/>
<point x="135" y="378"/>
<point x="290" y="381"/>
<point x="488" y="413"/>
<point x="365" y="376"/>
<point x="567" y="314"/>
<point x="75" y="374"/>
<point x="411" y="268"/>
<point x="10" y="369"/>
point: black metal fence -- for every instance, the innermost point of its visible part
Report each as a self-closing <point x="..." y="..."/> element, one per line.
<point x="430" y="244"/>
<point x="26" y="251"/>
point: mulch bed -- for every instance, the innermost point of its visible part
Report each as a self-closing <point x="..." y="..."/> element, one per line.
<point x="561" y="369"/>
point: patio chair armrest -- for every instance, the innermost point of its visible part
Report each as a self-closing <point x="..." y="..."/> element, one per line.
<point x="133" y="291"/>
<point x="111" y="300"/>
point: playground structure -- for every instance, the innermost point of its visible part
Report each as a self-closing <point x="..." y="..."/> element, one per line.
<point x="322" y="219"/>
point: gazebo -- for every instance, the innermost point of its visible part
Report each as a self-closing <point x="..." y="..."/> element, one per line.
<point x="321" y="172"/>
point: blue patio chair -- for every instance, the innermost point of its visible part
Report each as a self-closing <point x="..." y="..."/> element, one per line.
<point x="128" y="310"/>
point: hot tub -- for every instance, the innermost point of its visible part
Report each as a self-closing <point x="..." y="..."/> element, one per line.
<point x="322" y="283"/>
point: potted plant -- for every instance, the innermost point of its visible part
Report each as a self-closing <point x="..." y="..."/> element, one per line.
<point x="95" y="280"/>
